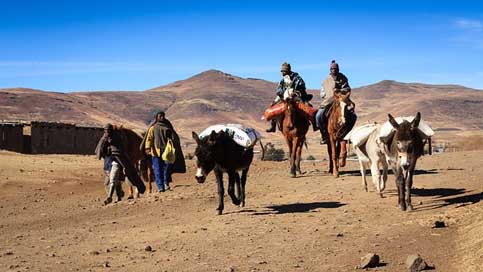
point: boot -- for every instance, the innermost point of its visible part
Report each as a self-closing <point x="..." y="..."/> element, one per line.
<point x="273" y="126"/>
<point x="323" y="138"/>
<point x="119" y="192"/>
<point x="314" y="126"/>
<point x="110" y="192"/>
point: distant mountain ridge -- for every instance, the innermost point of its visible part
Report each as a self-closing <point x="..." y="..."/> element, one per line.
<point x="217" y="97"/>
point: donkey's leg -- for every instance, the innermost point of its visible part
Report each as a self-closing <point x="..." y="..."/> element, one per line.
<point x="363" y="174"/>
<point x="409" y="182"/>
<point x="221" y="191"/>
<point x="400" y="190"/>
<point x="384" y="174"/>
<point x="243" y="183"/>
<point x="376" y="175"/>
<point x="237" y="185"/>
<point x="231" y="187"/>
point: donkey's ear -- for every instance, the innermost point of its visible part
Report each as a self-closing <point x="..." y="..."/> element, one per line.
<point x="195" y="137"/>
<point x="212" y="135"/>
<point x="212" y="138"/>
<point x="393" y="121"/>
<point x="415" y="122"/>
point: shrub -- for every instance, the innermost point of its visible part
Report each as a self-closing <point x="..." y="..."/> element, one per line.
<point x="273" y="154"/>
<point x="310" y="158"/>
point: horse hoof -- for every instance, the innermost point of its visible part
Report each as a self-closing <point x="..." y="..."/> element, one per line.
<point x="380" y="194"/>
<point x="220" y="212"/>
<point x="410" y="208"/>
<point x="365" y="189"/>
<point x="130" y="197"/>
<point x="402" y="207"/>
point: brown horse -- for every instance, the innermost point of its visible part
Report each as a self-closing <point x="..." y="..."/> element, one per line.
<point x="131" y="141"/>
<point x="294" y="128"/>
<point x="337" y="128"/>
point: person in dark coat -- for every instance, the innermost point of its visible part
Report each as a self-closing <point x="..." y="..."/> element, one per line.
<point x="156" y="140"/>
<point x="290" y="84"/>
<point x="179" y="166"/>
<point x="110" y="149"/>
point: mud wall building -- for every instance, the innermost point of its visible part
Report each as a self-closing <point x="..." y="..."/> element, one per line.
<point x="11" y="137"/>
<point x="60" y="138"/>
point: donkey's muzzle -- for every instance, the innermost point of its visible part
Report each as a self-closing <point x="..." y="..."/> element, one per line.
<point x="200" y="179"/>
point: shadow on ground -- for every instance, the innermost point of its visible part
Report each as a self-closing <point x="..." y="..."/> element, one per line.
<point x="368" y="172"/>
<point x="447" y="196"/>
<point x="300" y="207"/>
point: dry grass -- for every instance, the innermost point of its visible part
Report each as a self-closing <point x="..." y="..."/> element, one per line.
<point x="474" y="142"/>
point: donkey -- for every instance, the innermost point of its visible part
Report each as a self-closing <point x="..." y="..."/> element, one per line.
<point x="403" y="149"/>
<point x="371" y="152"/>
<point x="294" y="128"/>
<point x="220" y="153"/>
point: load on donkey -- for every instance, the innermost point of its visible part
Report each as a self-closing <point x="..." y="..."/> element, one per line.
<point x="291" y="110"/>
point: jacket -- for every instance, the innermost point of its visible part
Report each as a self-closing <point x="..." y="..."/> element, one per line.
<point x="297" y="84"/>
<point x="157" y="138"/>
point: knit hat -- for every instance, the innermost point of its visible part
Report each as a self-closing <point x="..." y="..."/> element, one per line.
<point x="334" y="65"/>
<point x="108" y="126"/>
<point x="286" y="67"/>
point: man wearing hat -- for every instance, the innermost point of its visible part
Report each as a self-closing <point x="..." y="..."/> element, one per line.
<point x="156" y="141"/>
<point x="291" y="84"/>
<point x="335" y="82"/>
<point x="110" y="149"/>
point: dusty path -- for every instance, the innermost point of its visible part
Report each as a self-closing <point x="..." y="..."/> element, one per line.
<point x="52" y="220"/>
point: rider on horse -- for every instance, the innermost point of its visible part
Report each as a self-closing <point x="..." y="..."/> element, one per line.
<point x="335" y="82"/>
<point x="291" y="84"/>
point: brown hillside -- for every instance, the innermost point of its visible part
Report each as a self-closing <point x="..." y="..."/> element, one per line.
<point x="444" y="106"/>
<point x="216" y="97"/>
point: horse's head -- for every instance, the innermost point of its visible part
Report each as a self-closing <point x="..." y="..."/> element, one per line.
<point x="341" y="98"/>
<point x="405" y="140"/>
<point x="205" y="154"/>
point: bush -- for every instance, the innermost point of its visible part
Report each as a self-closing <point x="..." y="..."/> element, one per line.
<point x="273" y="154"/>
<point x="310" y="158"/>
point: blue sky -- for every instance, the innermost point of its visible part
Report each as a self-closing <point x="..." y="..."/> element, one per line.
<point x="136" y="45"/>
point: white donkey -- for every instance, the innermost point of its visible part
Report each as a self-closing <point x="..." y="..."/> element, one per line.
<point x="370" y="153"/>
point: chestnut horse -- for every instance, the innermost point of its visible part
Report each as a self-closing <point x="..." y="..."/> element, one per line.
<point x="131" y="141"/>
<point x="294" y="128"/>
<point x="337" y="128"/>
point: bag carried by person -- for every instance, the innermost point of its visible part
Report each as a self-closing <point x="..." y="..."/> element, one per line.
<point x="169" y="153"/>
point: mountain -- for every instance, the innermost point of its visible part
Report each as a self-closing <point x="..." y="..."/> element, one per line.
<point x="444" y="106"/>
<point x="215" y="97"/>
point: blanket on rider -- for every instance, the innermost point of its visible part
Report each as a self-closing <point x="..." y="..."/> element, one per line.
<point x="278" y="109"/>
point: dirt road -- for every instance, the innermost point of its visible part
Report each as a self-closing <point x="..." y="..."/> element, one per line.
<point x="52" y="219"/>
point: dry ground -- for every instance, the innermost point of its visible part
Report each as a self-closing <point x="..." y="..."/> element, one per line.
<point x="52" y="219"/>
